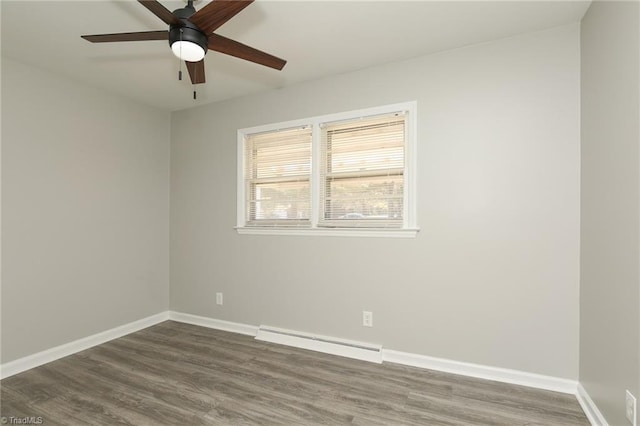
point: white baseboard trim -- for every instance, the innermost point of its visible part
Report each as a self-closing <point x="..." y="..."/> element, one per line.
<point x="375" y="353"/>
<point x="589" y="407"/>
<point x="31" y="361"/>
<point x="305" y="341"/>
<point x="217" y="324"/>
<point x="330" y="345"/>
<point x="504" y="375"/>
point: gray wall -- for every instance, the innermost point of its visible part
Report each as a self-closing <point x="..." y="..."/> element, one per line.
<point x="610" y="215"/>
<point x="492" y="278"/>
<point x="85" y="180"/>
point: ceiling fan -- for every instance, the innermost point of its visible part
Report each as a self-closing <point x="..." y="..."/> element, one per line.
<point x="191" y="34"/>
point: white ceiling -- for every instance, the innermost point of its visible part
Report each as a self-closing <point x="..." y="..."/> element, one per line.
<point x="317" y="38"/>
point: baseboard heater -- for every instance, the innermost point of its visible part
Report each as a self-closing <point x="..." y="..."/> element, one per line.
<point x="330" y="345"/>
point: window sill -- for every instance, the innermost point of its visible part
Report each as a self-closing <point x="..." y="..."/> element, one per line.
<point x="331" y="232"/>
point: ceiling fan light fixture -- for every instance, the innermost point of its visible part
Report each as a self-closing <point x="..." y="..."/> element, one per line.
<point x="187" y="51"/>
<point x="188" y="43"/>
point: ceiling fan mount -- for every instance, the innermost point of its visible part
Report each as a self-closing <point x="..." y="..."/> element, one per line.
<point x="191" y="34"/>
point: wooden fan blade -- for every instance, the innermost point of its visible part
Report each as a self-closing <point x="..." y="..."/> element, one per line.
<point x="196" y="71"/>
<point x="160" y="11"/>
<point x="139" y="36"/>
<point x="231" y="47"/>
<point x="216" y="13"/>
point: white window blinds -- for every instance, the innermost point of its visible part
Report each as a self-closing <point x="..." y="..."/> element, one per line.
<point x="350" y="173"/>
<point x="362" y="172"/>
<point x="277" y="177"/>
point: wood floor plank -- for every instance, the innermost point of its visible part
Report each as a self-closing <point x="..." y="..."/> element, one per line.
<point x="175" y="373"/>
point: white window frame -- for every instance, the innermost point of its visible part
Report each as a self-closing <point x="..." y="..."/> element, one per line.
<point x="409" y="227"/>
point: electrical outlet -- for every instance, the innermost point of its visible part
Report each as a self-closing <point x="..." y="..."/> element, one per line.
<point x="631" y="405"/>
<point x="367" y="318"/>
<point x="218" y="298"/>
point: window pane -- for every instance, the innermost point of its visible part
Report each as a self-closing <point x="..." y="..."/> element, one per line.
<point x="279" y="201"/>
<point x="362" y="176"/>
<point x="372" y="147"/>
<point x="288" y="159"/>
<point x="278" y="168"/>
<point x="371" y="198"/>
<point x="279" y="154"/>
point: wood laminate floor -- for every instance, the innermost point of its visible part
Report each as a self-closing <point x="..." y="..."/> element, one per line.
<point x="180" y="374"/>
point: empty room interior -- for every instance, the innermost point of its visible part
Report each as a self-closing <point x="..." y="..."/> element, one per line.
<point x="320" y="212"/>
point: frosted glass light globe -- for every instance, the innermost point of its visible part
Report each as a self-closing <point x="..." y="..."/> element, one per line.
<point x="187" y="51"/>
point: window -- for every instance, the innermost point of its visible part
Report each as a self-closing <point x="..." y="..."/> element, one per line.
<point x="341" y="174"/>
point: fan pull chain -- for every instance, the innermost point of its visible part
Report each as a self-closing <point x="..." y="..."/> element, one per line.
<point x="180" y="60"/>
<point x="195" y="77"/>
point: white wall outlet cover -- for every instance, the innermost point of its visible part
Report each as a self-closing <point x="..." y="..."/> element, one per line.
<point x="367" y="318"/>
<point x="218" y="298"/>
<point x="631" y="408"/>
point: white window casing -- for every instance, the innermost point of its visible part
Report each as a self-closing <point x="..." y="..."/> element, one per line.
<point x="345" y="174"/>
